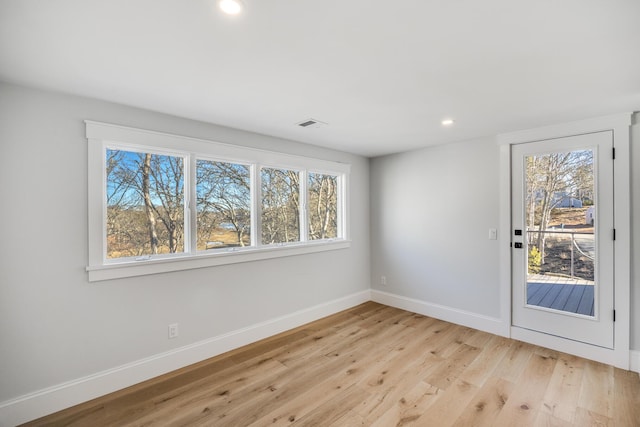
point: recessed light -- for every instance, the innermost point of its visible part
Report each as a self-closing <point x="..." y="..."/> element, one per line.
<point x="447" y="122"/>
<point x="231" y="7"/>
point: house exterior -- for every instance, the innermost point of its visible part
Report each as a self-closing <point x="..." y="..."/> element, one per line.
<point x="590" y="215"/>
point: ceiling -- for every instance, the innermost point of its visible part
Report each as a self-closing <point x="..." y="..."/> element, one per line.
<point x="382" y="74"/>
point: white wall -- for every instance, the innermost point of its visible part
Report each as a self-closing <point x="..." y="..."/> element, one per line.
<point x="55" y="326"/>
<point x="431" y="211"/>
<point x="635" y="239"/>
<point x="430" y="214"/>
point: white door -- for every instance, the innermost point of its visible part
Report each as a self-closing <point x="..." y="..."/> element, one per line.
<point x="562" y="234"/>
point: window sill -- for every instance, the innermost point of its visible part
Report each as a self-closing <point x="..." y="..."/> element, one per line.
<point x="204" y="259"/>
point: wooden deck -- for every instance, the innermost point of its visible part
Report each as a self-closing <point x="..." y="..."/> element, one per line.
<point x="574" y="298"/>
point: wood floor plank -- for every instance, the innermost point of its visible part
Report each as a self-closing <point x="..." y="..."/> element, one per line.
<point x="363" y="363"/>
<point x="526" y="399"/>
<point x="486" y="405"/>
<point x="302" y="374"/>
<point x="627" y="398"/>
<point x="515" y="361"/>
<point x="275" y="343"/>
<point x="211" y="398"/>
<point x="388" y="386"/>
<point x="585" y="417"/>
<point x="455" y="364"/>
<point x="490" y="357"/>
<point x="344" y="318"/>
<point x="445" y="411"/>
<point x="375" y="366"/>
<point x="350" y="419"/>
<point x="476" y="338"/>
<point x="410" y="408"/>
<point x="443" y="337"/>
<point x="544" y="419"/>
<point x="267" y="396"/>
<point x="307" y="401"/>
<point x="331" y="412"/>
<point x="596" y="392"/>
<point x="561" y="397"/>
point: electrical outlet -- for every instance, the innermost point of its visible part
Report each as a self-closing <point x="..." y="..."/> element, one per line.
<point x="383" y="280"/>
<point x="173" y="330"/>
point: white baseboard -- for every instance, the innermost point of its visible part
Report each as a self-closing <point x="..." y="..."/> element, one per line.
<point x="53" y="399"/>
<point x="465" y="318"/>
<point x="634" y="361"/>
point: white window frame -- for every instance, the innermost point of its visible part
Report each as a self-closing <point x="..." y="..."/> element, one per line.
<point x="101" y="136"/>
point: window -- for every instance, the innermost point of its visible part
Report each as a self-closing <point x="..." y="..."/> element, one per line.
<point x="323" y="206"/>
<point x="160" y="202"/>
<point x="145" y="203"/>
<point x="280" y="206"/>
<point x="223" y="194"/>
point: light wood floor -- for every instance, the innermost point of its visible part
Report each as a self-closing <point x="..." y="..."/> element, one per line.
<point x="376" y="366"/>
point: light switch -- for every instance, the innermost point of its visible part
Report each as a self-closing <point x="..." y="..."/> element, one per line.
<point x="493" y="234"/>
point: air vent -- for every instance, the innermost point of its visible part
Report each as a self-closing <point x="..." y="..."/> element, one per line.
<point x="311" y="123"/>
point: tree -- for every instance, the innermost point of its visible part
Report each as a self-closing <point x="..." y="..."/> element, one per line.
<point x="549" y="178"/>
<point x="323" y="206"/>
<point x="583" y="182"/>
<point x="280" y="205"/>
<point x="120" y="206"/>
<point x="151" y="184"/>
<point x="148" y="204"/>
<point x="166" y="175"/>
<point x="223" y="195"/>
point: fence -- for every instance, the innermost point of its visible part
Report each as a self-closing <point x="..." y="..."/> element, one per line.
<point x="588" y="249"/>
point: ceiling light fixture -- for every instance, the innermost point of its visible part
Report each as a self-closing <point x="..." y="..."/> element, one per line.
<point x="447" y="122"/>
<point x="231" y="7"/>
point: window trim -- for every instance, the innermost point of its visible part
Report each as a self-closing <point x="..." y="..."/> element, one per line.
<point x="100" y="136"/>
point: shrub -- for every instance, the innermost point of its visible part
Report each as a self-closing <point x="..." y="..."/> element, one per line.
<point x="535" y="259"/>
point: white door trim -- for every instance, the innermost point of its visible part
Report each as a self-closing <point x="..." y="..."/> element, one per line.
<point x="620" y="124"/>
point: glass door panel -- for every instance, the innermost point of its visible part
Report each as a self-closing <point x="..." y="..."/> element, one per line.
<point x="560" y="220"/>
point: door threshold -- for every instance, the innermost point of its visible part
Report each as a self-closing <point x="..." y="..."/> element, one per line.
<point x="609" y="356"/>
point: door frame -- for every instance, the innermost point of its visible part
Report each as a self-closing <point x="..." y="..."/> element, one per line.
<point x="620" y="124"/>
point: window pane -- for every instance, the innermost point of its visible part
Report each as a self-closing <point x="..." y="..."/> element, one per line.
<point x="560" y="217"/>
<point x="145" y="204"/>
<point x="323" y="206"/>
<point x="223" y="205"/>
<point x="280" y="206"/>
